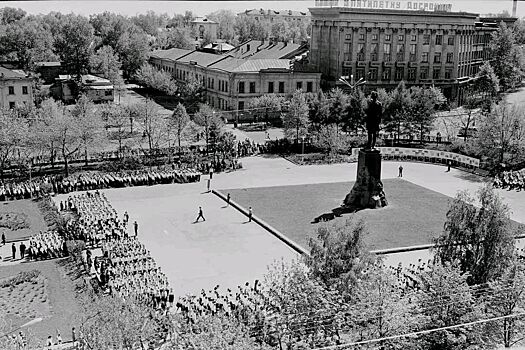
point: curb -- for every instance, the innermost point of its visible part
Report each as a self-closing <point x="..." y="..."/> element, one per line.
<point x="295" y="246"/>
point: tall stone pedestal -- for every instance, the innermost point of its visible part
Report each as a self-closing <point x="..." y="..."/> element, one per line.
<point x="368" y="188"/>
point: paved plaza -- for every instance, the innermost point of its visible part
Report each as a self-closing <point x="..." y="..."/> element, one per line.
<point x="226" y="250"/>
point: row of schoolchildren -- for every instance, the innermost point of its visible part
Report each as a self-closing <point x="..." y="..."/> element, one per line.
<point x="513" y="180"/>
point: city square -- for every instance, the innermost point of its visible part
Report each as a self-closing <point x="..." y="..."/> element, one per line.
<point x="322" y="175"/>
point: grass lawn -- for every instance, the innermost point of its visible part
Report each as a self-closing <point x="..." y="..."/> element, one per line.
<point x="16" y="212"/>
<point x="52" y="297"/>
<point x="414" y="214"/>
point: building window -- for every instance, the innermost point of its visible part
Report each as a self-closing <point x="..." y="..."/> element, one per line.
<point x="108" y="93"/>
<point x="386" y="73"/>
<point x="12" y="105"/>
<point x="400" y="38"/>
<point x="309" y="86"/>
<point x="400" y="52"/>
<point x="399" y="73"/>
<point x="388" y="37"/>
<point x="413" y="48"/>
<point x="424" y="73"/>
<point x="361" y="52"/>
<point x="299" y="85"/>
<point x="241" y="87"/>
<point x="437" y="57"/>
<point x="450" y="40"/>
<point x="424" y="57"/>
<point x="348" y="52"/>
<point x="347" y="71"/>
<point x="11" y="90"/>
<point x="411" y="74"/>
<point x="241" y="105"/>
<point x="436" y="73"/>
<point x="448" y="74"/>
<point x="439" y="39"/>
<point x="281" y="87"/>
<point x="24" y="90"/>
<point x="360" y="73"/>
<point x="450" y="57"/>
<point x="225" y="86"/>
<point x="270" y="87"/>
<point x="372" y="74"/>
<point x="252" y="87"/>
<point x="374" y="36"/>
<point x="361" y="36"/>
<point x="426" y="39"/>
<point x="387" y="54"/>
<point x="413" y="37"/>
<point x="348" y="36"/>
<point x="373" y="52"/>
<point x="213" y="84"/>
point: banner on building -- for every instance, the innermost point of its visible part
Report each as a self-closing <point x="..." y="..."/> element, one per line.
<point x="386" y="4"/>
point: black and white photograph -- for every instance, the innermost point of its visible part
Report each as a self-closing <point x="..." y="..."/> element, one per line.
<point x="262" y="175"/>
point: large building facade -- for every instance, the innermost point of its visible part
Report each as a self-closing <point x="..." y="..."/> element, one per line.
<point x="232" y="82"/>
<point x="385" y="46"/>
<point x="16" y="88"/>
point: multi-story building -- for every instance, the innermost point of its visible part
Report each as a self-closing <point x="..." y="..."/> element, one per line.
<point x="205" y="28"/>
<point x="232" y="82"/>
<point x="387" y="45"/>
<point x="271" y="15"/>
<point x="16" y="88"/>
<point x="97" y="89"/>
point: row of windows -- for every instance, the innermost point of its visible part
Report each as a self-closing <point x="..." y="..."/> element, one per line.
<point x="399" y="73"/>
<point x="271" y="87"/>
<point x="11" y="90"/>
<point x="438" y="40"/>
<point x="387" y="55"/>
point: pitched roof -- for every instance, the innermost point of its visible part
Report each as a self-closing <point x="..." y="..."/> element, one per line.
<point x="171" y="54"/>
<point x="11" y="74"/>
<point x="255" y="49"/>
<point x="203" y="59"/>
<point x="232" y="64"/>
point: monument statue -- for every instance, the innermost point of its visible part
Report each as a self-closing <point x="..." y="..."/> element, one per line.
<point x="368" y="191"/>
<point x="374" y="112"/>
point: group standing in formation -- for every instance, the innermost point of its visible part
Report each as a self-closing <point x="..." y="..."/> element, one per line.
<point x="93" y="181"/>
<point x="513" y="180"/>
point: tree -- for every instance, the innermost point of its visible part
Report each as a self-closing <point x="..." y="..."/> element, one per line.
<point x="501" y="135"/>
<point x="226" y="145"/>
<point x="110" y="322"/>
<point x="425" y="101"/>
<point x="354" y="115"/>
<point x="507" y="56"/>
<point x="470" y="104"/>
<point x="295" y="120"/>
<point x="44" y="128"/>
<point x="337" y="107"/>
<point x="89" y="124"/>
<point x="13" y="135"/>
<point x="68" y="133"/>
<point x="266" y="105"/>
<point x="153" y="123"/>
<point x="446" y="300"/>
<point x="207" y="118"/>
<point x="226" y="20"/>
<point x="191" y="94"/>
<point x="338" y="257"/>
<point x="105" y="62"/>
<point x="10" y="15"/>
<point x="479" y="240"/>
<point x="396" y="106"/>
<point x="133" y="49"/>
<point x="74" y="44"/>
<point x="179" y="121"/>
<point x="319" y="111"/>
<point x="156" y="79"/>
<point x="487" y="83"/>
<point x="177" y="37"/>
<point x="506" y="298"/>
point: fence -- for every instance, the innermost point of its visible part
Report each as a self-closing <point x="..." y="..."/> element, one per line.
<point x="424" y="155"/>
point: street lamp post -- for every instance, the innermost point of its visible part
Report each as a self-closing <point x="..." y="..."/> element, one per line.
<point x="351" y="84"/>
<point x="302" y="153"/>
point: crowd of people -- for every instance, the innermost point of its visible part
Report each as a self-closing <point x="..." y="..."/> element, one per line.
<point x="513" y="180"/>
<point x="248" y="148"/>
<point x="46" y="245"/>
<point x="92" y="181"/>
<point x="126" y="267"/>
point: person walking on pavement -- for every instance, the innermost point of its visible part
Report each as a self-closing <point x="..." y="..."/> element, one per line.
<point x="3" y="238"/>
<point x="209" y="184"/>
<point x="136" y="227"/>
<point x="228" y="200"/>
<point x="200" y="215"/>
<point x="22" y="250"/>
<point x="13" y="250"/>
<point x="400" y="171"/>
<point x="448" y="166"/>
<point x="250" y="214"/>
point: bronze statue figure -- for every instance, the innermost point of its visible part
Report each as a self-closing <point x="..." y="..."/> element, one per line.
<point x="373" y="119"/>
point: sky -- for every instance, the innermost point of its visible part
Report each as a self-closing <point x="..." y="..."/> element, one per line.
<point x="201" y="8"/>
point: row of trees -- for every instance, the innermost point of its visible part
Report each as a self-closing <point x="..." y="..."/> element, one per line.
<point x="54" y="131"/>
<point x="343" y="294"/>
